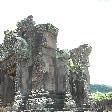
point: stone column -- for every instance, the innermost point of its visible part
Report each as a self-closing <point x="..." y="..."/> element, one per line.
<point x="49" y="59"/>
<point x="61" y="73"/>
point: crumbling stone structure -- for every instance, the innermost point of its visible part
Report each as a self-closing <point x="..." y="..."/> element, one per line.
<point x="31" y="71"/>
<point x="79" y="77"/>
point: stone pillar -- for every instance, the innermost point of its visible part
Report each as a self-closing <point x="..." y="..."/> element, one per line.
<point x="49" y="69"/>
<point x="37" y="62"/>
<point x="49" y="58"/>
<point x="61" y="73"/>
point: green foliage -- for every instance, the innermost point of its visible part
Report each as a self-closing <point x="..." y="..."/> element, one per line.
<point x="74" y="67"/>
<point x="100" y="92"/>
<point x="98" y="96"/>
<point x="25" y="25"/>
<point x="22" y="48"/>
<point x="52" y="29"/>
<point x="62" y="54"/>
<point x="11" y="42"/>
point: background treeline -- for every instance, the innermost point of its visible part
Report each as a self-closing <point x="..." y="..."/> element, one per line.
<point x="100" y="88"/>
<point x="101" y="92"/>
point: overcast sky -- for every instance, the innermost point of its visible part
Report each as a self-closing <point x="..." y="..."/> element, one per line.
<point x="79" y="22"/>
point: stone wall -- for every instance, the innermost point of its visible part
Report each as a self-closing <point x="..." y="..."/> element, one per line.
<point x="45" y="54"/>
<point x="7" y="88"/>
<point x="61" y="72"/>
<point x="7" y="75"/>
<point x="49" y="59"/>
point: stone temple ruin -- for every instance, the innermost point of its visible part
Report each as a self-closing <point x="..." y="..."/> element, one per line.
<point x="35" y="76"/>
